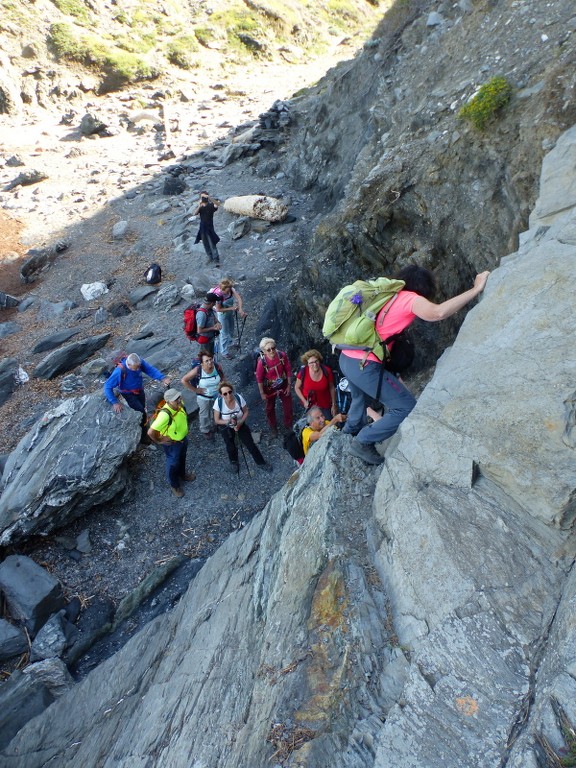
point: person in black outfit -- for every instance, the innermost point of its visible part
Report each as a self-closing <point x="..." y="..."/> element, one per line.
<point x="206" y="209"/>
<point x="230" y="414"/>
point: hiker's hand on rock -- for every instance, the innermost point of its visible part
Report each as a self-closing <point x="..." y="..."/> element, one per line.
<point x="117" y="407"/>
<point x="480" y="281"/>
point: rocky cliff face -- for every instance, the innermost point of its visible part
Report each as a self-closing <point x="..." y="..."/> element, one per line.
<point x="403" y="178"/>
<point x="417" y="615"/>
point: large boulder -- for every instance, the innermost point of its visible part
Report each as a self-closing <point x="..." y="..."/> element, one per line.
<point x="72" y="460"/>
<point x="68" y="357"/>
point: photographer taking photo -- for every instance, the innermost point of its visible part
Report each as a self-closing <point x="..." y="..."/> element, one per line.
<point x="231" y="414"/>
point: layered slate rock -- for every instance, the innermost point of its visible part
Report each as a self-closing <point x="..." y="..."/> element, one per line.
<point x="72" y="460"/>
<point x="8" y="374"/>
<point x="55" y="340"/>
<point x="68" y="357"/>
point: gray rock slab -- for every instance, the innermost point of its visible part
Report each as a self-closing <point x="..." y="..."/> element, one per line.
<point x="27" y="693"/>
<point x="32" y="594"/>
<point x="72" y="460"/>
<point x="140" y="293"/>
<point x="8" y="373"/>
<point x="12" y="640"/>
<point x="7" y="301"/>
<point x="8" y="328"/>
<point x="68" y="357"/>
<point x="55" y="340"/>
<point x="161" y="352"/>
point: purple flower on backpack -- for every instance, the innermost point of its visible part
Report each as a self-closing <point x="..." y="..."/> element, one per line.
<point x="356" y="299"/>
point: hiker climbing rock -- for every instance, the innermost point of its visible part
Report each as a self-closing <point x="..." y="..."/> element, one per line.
<point x="231" y="414"/>
<point x="315" y="384"/>
<point x="228" y="307"/>
<point x="206" y="209"/>
<point x="203" y="379"/>
<point x="273" y="373"/>
<point x="366" y="373"/>
<point x="126" y="379"/>
<point x="317" y="426"/>
<point x="170" y="430"/>
<point x="206" y="322"/>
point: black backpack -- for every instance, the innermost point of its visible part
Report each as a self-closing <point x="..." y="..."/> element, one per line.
<point x="153" y="274"/>
<point x="293" y="440"/>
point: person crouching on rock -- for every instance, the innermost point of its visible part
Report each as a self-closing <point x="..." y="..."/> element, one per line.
<point x="370" y="379"/>
<point x="126" y="380"/>
<point x="231" y="414"/>
<point x="170" y="430"/>
<point x="273" y="374"/>
<point x="317" y="426"/>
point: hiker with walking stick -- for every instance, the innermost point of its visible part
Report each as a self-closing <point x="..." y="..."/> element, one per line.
<point x="230" y="415"/>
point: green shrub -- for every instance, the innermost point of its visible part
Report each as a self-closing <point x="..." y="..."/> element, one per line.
<point x="205" y="35"/>
<point x="179" y="51"/>
<point x="74" y="8"/>
<point x="482" y="107"/>
<point x="117" y="65"/>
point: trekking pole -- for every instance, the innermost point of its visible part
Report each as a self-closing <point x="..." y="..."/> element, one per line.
<point x="217" y="349"/>
<point x="240" y="331"/>
<point x="245" y="459"/>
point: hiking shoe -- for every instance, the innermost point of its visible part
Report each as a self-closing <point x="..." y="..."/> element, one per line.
<point x="274" y="432"/>
<point x="208" y="435"/>
<point x="235" y="467"/>
<point x="366" y="452"/>
<point x="177" y="492"/>
<point x="228" y="356"/>
<point x="189" y="477"/>
<point x="264" y="467"/>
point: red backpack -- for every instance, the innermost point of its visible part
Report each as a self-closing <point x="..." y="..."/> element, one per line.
<point x="190" y="323"/>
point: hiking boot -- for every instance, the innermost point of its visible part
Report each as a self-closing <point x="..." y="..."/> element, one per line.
<point x="274" y="432"/>
<point x="264" y="467"/>
<point x="366" y="452"/>
<point x="177" y="492"/>
<point x="189" y="477"/>
<point x="235" y="467"/>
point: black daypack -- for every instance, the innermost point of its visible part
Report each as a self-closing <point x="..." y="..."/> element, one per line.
<point x="292" y="441"/>
<point x="153" y="274"/>
<point x="401" y="356"/>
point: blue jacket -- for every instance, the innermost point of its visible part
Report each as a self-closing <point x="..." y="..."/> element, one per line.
<point x="125" y="380"/>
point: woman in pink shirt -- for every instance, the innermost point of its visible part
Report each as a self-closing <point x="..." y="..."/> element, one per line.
<point x="411" y="302"/>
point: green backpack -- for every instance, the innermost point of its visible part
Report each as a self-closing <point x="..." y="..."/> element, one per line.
<point x="351" y="316"/>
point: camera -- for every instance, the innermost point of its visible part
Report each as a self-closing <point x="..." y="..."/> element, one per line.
<point x="233" y="421"/>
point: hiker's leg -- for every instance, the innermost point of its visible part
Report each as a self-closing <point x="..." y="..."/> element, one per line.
<point x="183" y="449"/>
<point x="271" y="411"/>
<point x="357" y="412"/>
<point x="136" y="400"/>
<point x="225" y="337"/>
<point x="287" y="409"/>
<point x="230" y="443"/>
<point x="172" y="453"/>
<point x="209" y="247"/>
<point x="245" y="435"/>
<point x="398" y="400"/>
<point x="205" y="415"/>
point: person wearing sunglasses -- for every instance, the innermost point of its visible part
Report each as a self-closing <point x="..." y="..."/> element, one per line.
<point x="273" y="376"/>
<point x="231" y="414"/>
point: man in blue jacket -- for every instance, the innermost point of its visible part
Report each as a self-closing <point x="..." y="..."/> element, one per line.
<point x="127" y="379"/>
